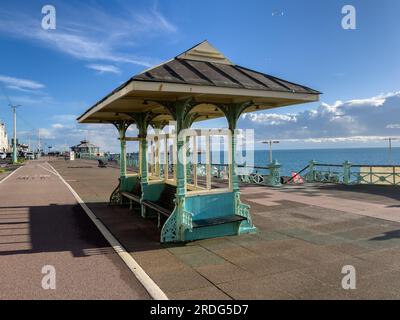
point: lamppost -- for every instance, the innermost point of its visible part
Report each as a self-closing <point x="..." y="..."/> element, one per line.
<point x="15" y="152"/>
<point x="270" y="142"/>
<point x="390" y="148"/>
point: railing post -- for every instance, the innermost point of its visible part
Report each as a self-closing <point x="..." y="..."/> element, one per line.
<point x="311" y="173"/>
<point x="346" y="172"/>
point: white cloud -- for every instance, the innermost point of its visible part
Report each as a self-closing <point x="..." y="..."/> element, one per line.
<point x="68" y="132"/>
<point x="376" y="101"/>
<point x="65" y="118"/>
<point x="272" y="119"/>
<point x="20" y="84"/>
<point x="359" y="139"/>
<point x="153" y="19"/>
<point x="30" y="100"/>
<point x="57" y="126"/>
<point x="358" y="120"/>
<point x="46" y="133"/>
<point x="393" y="126"/>
<point x="91" y="33"/>
<point x="102" y="68"/>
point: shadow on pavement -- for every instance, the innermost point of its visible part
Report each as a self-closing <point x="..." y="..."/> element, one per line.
<point x="54" y="228"/>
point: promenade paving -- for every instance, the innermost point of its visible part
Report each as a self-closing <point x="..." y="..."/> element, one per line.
<point x="41" y="224"/>
<point x="306" y="235"/>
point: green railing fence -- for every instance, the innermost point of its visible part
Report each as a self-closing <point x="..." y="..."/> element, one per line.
<point x="132" y="160"/>
<point x="345" y="173"/>
<point x="353" y="174"/>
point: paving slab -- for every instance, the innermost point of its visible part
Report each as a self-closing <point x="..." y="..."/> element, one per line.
<point x="225" y="272"/>
<point x="199" y="259"/>
<point x="254" y="289"/>
<point x="295" y="283"/>
<point x="207" y="293"/>
<point x="181" y="279"/>
<point x="260" y="266"/>
<point x="306" y="235"/>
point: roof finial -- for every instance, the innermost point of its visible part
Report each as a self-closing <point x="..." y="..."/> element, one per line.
<point x="204" y="51"/>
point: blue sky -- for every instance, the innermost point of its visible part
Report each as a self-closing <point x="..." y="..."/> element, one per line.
<point x="57" y="74"/>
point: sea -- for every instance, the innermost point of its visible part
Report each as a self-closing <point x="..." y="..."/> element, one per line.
<point x="295" y="160"/>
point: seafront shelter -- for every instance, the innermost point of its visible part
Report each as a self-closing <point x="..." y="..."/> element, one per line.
<point x="197" y="85"/>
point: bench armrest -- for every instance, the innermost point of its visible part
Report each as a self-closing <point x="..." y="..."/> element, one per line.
<point x="187" y="220"/>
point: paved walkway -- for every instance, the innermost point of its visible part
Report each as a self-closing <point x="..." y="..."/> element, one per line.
<point x="382" y="210"/>
<point x="306" y="236"/>
<point x="42" y="224"/>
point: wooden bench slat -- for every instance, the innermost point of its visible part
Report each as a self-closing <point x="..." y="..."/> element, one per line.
<point x="135" y="194"/>
<point x="158" y="208"/>
<point x="217" y="221"/>
<point x="165" y="204"/>
<point x="131" y="196"/>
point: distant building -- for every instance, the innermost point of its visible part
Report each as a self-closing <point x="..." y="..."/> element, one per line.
<point x="4" y="147"/>
<point x="85" y="148"/>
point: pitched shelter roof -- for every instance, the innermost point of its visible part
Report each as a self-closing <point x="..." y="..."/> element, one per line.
<point x="204" y="65"/>
<point x="204" y="73"/>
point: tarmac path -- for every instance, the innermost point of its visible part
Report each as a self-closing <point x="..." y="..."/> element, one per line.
<point x="41" y="224"/>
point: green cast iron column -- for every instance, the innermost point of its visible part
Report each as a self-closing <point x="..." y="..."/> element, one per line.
<point x="180" y="169"/>
<point x="235" y="180"/>
<point x="232" y="113"/>
<point x="142" y="121"/>
<point x="122" y="166"/>
<point x="122" y="126"/>
<point x="143" y="159"/>
<point x="174" y="228"/>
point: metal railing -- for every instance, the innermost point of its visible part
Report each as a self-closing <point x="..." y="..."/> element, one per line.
<point x="353" y="174"/>
<point x="269" y="175"/>
<point x="132" y="160"/>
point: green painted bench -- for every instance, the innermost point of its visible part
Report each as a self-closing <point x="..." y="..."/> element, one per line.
<point x="134" y="195"/>
<point x="165" y="205"/>
<point x="217" y="221"/>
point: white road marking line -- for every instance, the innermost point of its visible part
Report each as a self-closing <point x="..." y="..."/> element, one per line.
<point x="152" y="288"/>
<point x="1" y="181"/>
<point x="52" y="172"/>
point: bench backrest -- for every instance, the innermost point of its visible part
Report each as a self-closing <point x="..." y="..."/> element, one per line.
<point x="137" y="188"/>
<point x="167" y="197"/>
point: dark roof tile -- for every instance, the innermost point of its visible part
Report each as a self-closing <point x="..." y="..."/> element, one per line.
<point x="216" y="74"/>
<point x="216" y="77"/>
<point x="187" y="72"/>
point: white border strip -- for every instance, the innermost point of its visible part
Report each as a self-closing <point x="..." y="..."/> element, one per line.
<point x="154" y="291"/>
<point x="1" y="181"/>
